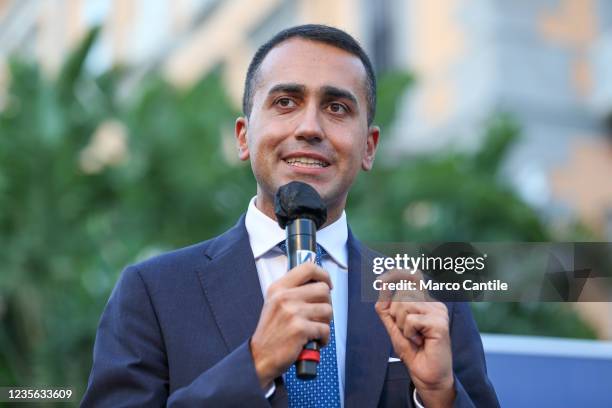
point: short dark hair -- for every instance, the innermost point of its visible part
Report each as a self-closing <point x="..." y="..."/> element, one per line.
<point x="319" y="33"/>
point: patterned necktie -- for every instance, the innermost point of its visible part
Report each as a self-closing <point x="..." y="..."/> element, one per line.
<point x="323" y="390"/>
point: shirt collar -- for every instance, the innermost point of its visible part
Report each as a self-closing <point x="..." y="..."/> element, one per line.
<point x="265" y="234"/>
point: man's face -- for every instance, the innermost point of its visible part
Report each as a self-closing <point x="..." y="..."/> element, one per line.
<point x="308" y="122"/>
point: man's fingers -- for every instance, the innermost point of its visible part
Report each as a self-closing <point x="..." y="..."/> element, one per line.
<point x="302" y="274"/>
<point x="381" y="308"/>
<point x="417" y="321"/>
<point x="399" y="309"/>
<point x="386" y="295"/>
<point x="315" y="292"/>
<point x="319" y="312"/>
<point x="389" y="280"/>
<point x="425" y="325"/>
<point x="413" y="325"/>
<point x="318" y="331"/>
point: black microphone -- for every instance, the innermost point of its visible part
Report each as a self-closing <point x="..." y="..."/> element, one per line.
<point x="300" y="210"/>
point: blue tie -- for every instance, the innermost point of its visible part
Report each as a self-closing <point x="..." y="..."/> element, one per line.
<point x="323" y="390"/>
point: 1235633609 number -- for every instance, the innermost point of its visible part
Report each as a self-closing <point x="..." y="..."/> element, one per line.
<point x="35" y="394"/>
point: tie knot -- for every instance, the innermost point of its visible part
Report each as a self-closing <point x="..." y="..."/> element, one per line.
<point x="320" y="253"/>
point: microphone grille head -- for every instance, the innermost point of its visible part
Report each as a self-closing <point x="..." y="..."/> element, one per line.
<point x="299" y="200"/>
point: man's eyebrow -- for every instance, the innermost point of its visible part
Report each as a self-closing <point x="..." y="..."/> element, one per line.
<point x="327" y="91"/>
<point x="287" y="88"/>
<point x="338" y="93"/>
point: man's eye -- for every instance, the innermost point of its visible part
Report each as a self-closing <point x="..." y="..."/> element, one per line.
<point x="337" y="108"/>
<point x="285" y="103"/>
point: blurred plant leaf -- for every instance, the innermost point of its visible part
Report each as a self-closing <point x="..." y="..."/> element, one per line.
<point x="391" y="87"/>
<point x="501" y="133"/>
<point x="73" y="66"/>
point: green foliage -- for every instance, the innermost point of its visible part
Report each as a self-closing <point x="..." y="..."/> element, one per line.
<point x="447" y="196"/>
<point x="532" y="319"/>
<point x="74" y="211"/>
<point x="391" y="87"/>
<point x="67" y="227"/>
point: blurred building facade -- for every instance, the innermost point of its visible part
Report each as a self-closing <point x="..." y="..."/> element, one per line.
<point x="544" y="61"/>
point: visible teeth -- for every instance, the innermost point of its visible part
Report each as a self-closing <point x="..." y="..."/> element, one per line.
<point x="306" y="162"/>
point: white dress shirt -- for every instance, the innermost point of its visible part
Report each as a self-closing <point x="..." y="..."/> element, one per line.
<point x="265" y="235"/>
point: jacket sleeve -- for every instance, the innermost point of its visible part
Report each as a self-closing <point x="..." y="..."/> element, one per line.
<point x="472" y="385"/>
<point x="130" y="366"/>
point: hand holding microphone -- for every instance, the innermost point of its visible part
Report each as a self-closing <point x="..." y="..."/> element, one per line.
<point x="297" y="309"/>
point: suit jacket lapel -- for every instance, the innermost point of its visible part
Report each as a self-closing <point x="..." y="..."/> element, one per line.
<point x="231" y="285"/>
<point x="368" y="346"/>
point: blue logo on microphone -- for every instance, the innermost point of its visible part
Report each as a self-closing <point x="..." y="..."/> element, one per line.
<point x="304" y="255"/>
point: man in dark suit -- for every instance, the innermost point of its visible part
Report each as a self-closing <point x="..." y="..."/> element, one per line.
<point x="221" y="323"/>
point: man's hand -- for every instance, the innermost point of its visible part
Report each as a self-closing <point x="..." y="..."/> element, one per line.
<point x="419" y="332"/>
<point x="297" y="309"/>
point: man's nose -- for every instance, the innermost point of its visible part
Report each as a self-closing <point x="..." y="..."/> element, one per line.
<point x="310" y="128"/>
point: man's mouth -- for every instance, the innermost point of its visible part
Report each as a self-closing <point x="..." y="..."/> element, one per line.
<point x="306" y="162"/>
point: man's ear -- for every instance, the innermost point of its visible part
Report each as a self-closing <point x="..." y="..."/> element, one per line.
<point x="370" y="148"/>
<point x="240" y="131"/>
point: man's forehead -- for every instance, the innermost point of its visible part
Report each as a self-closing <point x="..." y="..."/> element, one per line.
<point x="312" y="64"/>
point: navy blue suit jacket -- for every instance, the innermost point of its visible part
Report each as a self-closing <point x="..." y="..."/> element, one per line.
<point x="176" y="332"/>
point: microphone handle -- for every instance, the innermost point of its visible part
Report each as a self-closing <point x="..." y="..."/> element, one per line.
<point x="301" y="248"/>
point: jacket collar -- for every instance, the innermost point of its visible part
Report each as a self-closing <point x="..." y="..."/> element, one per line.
<point x="231" y="285"/>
